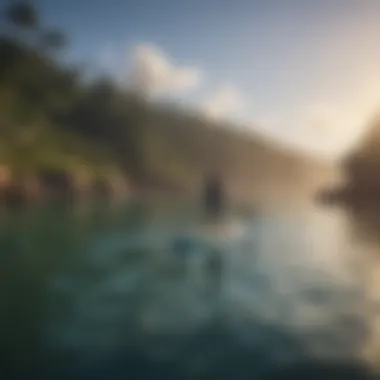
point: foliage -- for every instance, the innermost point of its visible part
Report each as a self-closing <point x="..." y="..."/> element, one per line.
<point x="23" y="14"/>
<point x="47" y="115"/>
<point x="50" y="118"/>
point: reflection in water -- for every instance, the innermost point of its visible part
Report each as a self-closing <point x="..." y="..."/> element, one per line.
<point x="142" y="295"/>
<point x="365" y="227"/>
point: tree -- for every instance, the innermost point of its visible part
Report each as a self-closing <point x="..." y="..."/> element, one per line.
<point x="22" y="14"/>
<point x="53" y="40"/>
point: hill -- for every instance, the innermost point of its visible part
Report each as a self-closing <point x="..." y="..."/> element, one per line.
<point x="57" y="127"/>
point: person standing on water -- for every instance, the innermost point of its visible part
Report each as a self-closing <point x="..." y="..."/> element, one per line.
<point x="213" y="207"/>
<point x="213" y="197"/>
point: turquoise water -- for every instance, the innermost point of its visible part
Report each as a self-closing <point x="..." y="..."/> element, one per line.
<point x="137" y="291"/>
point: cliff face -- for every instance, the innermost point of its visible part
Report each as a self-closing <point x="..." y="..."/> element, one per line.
<point x="255" y="169"/>
<point x="360" y="194"/>
<point x="360" y="191"/>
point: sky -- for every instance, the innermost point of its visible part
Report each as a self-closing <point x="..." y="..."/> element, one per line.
<point x="305" y="72"/>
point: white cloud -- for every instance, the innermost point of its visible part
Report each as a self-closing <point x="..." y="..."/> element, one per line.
<point x="153" y="73"/>
<point x="223" y="103"/>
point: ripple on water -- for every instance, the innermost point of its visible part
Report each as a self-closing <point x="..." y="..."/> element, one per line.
<point x="158" y="295"/>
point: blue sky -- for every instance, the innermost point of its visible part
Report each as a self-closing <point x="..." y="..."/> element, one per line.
<point x="304" y="71"/>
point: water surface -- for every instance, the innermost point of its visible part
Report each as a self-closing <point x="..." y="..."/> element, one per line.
<point x="132" y="292"/>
